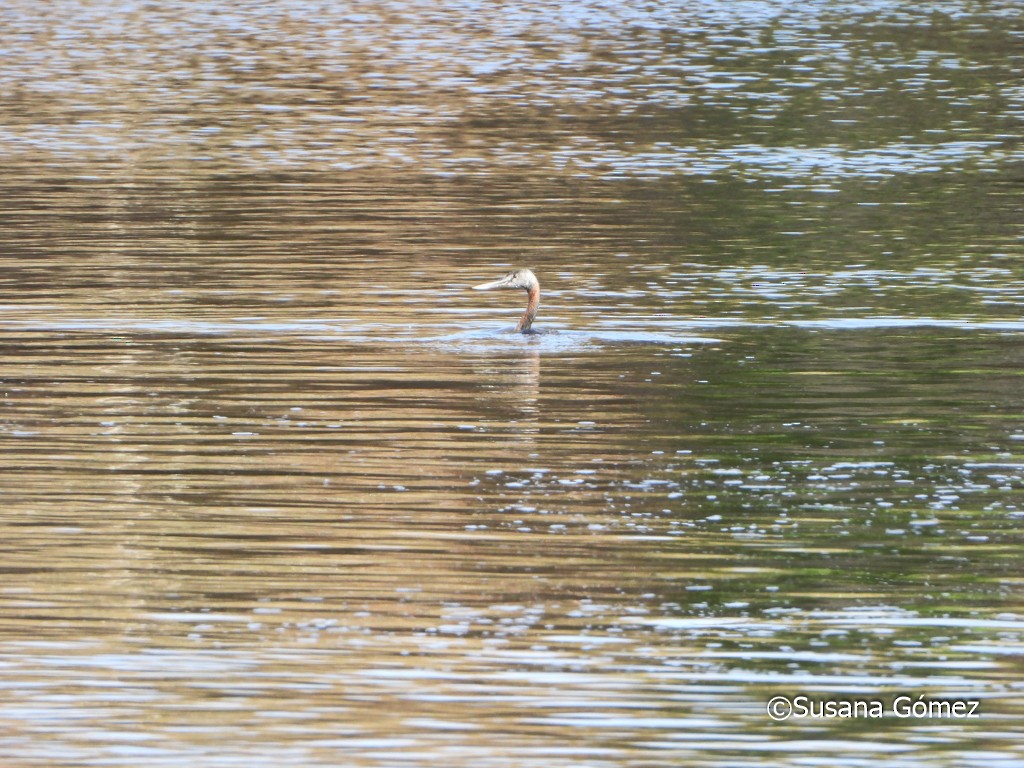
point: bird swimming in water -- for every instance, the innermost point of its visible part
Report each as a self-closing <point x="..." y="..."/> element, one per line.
<point x="525" y="279"/>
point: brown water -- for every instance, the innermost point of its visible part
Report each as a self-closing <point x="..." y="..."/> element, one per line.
<point x="278" y="489"/>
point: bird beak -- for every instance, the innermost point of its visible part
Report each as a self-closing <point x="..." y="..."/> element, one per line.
<point x="502" y="283"/>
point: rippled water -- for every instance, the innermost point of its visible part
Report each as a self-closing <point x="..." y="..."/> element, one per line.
<point x="278" y="489"/>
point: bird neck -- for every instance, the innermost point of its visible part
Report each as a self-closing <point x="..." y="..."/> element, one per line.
<point x="532" y="303"/>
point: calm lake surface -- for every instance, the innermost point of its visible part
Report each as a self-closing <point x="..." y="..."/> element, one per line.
<point x="278" y="489"/>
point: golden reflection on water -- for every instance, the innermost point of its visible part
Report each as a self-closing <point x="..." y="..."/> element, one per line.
<point x="305" y="543"/>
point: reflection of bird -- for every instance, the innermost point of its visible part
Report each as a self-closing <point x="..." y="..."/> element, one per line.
<point x="519" y="278"/>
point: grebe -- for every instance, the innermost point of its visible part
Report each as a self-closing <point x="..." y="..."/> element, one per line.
<point x="519" y="278"/>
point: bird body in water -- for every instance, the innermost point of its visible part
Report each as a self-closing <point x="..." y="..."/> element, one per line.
<point x="526" y="280"/>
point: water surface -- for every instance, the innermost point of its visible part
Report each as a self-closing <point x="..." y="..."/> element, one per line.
<point x="278" y="489"/>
